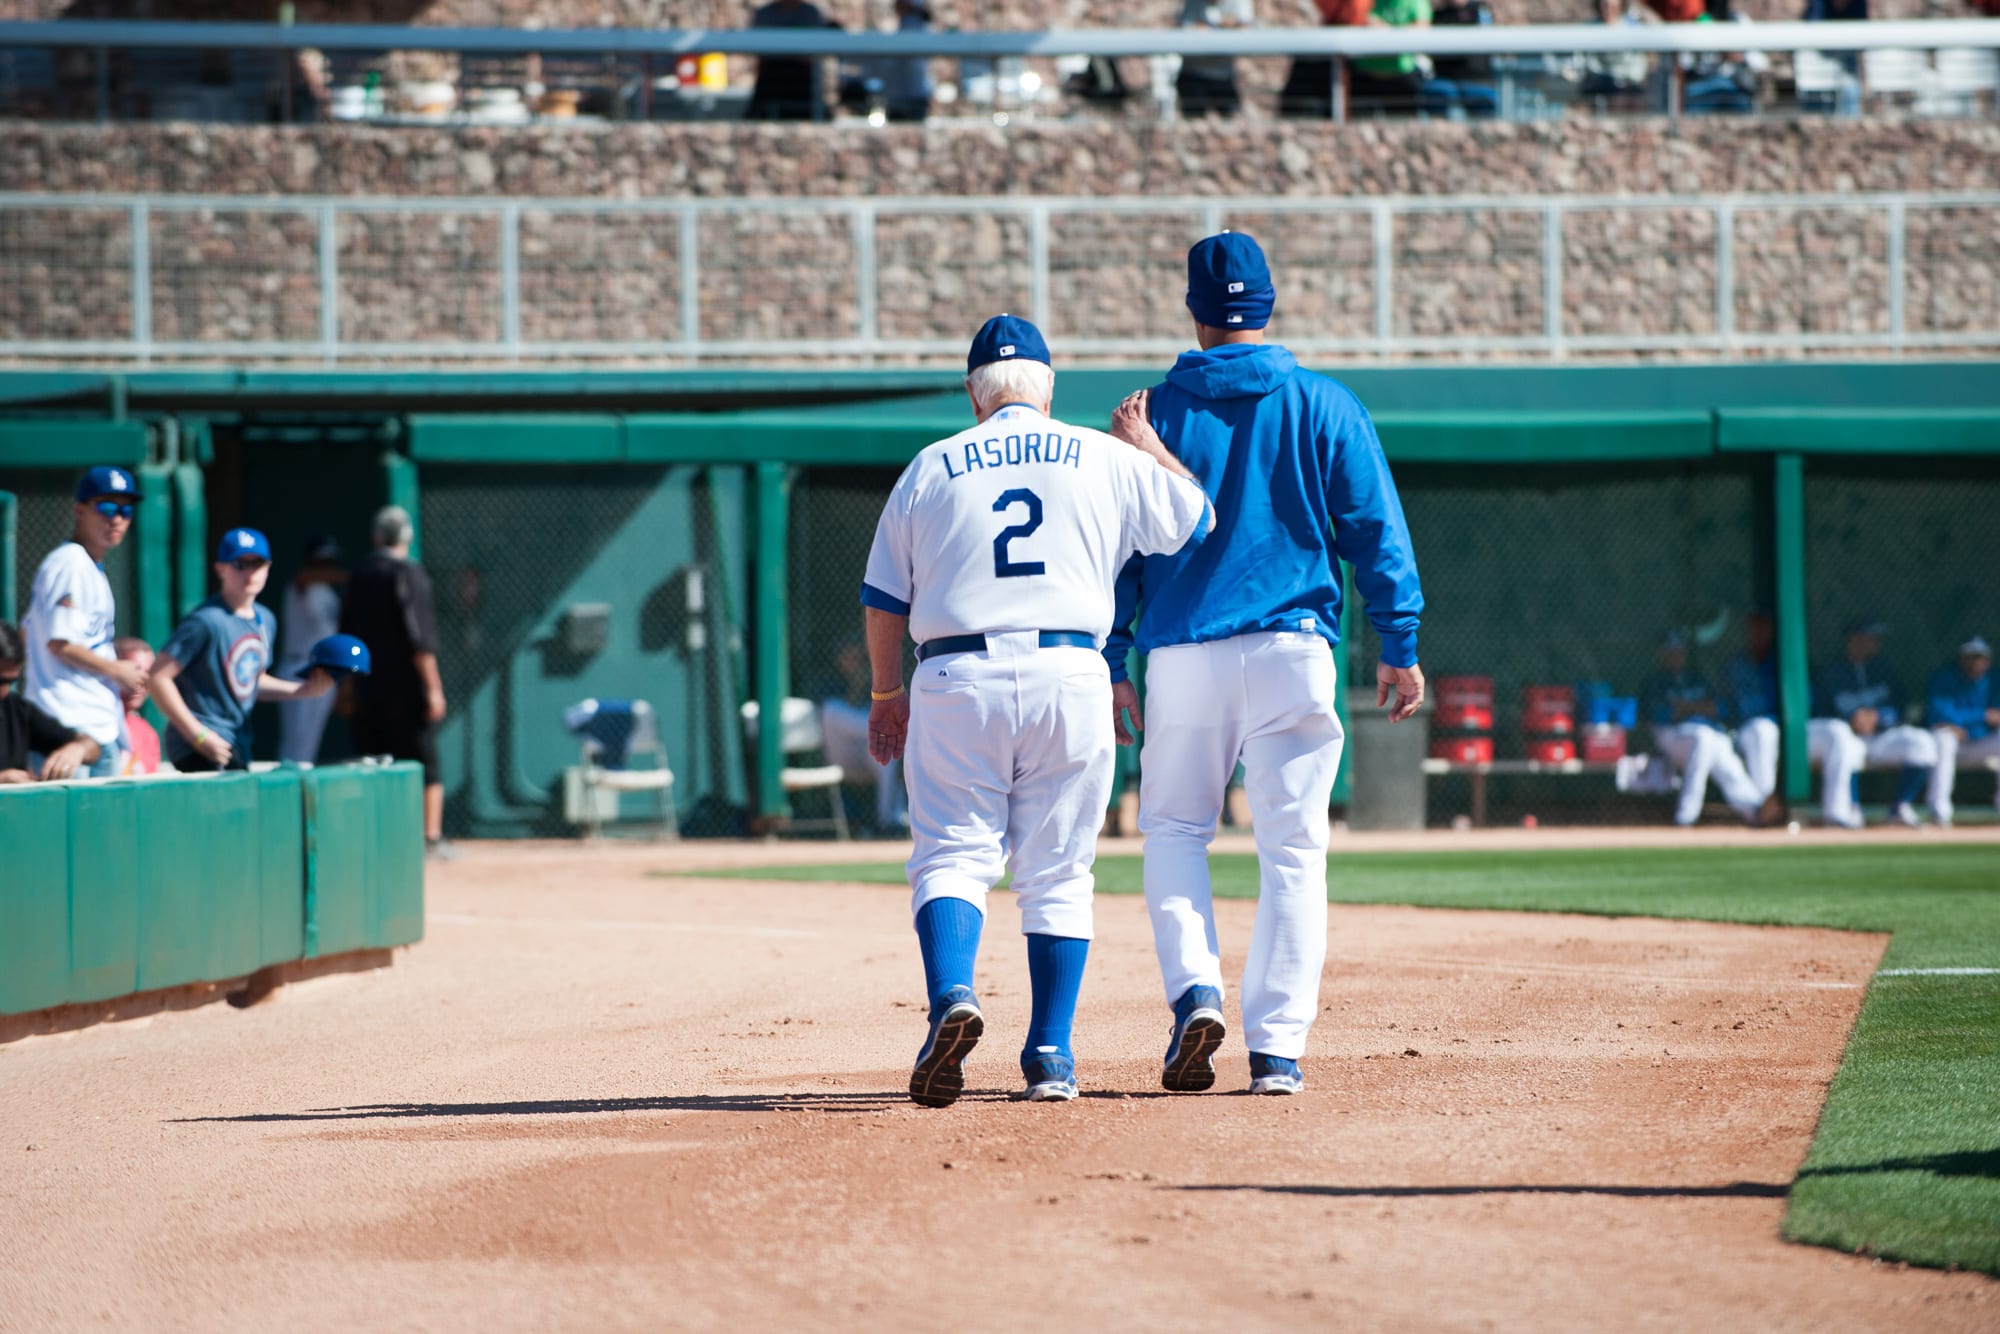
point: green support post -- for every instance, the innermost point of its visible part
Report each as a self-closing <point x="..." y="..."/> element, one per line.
<point x="399" y="487"/>
<point x="190" y="540"/>
<point x="774" y="485"/>
<point x="1350" y="626"/>
<point x="9" y="508"/>
<point x="1794" y="687"/>
<point x="155" y="536"/>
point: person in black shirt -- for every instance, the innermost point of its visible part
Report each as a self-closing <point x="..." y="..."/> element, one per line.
<point x="25" y="729"/>
<point x="398" y="706"/>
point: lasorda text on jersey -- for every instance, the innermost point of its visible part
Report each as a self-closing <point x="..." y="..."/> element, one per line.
<point x="1030" y="447"/>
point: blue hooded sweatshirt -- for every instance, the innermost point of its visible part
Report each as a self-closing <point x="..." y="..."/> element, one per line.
<point x="1297" y="476"/>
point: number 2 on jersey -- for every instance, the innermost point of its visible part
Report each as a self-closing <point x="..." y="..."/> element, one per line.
<point x="1003" y="568"/>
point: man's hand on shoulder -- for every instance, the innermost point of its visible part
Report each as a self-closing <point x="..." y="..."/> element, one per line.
<point x="1407" y="682"/>
<point x="1132" y="422"/>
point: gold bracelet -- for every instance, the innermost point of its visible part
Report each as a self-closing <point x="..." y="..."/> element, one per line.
<point x="879" y="695"/>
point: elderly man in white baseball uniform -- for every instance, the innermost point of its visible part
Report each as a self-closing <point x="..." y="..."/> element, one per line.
<point x="997" y="552"/>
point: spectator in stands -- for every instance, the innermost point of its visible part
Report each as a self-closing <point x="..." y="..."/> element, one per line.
<point x="1857" y="710"/>
<point x="844" y="721"/>
<point x="1750" y="681"/>
<point x="1618" y="80"/>
<point x="398" y="706"/>
<point x="217" y="664"/>
<point x="1462" y="86"/>
<point x="1392" y="83"/>
<point x="1686" y="718"/>
<point x="1847" y="101"/>
<point x="899" y="85"/>
<point x="1964" y="714"/>
<point x="787" y="87"/>
<point x="1721" y="81"/>
<point x="312" y="612"/>
<point x="1308" y="89"/>
<point x="73" y="675"/>
<point x="1207" y="84"/>
<point x="26" y="730"/>
<point x="142" y="743"/>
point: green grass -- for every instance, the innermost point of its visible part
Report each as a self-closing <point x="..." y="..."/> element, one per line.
<point x="1906" y="1161"/>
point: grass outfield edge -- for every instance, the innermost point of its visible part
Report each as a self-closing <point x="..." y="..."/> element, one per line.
<point x="1905" y="1161"/>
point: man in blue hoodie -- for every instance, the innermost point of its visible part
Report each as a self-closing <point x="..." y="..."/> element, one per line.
<point x="1963" y="711"/>
<point x="1240" y="633"/>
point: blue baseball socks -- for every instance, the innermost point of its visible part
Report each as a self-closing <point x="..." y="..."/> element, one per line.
<point x="948" y="936"/>
<point x="1055" y="972"/>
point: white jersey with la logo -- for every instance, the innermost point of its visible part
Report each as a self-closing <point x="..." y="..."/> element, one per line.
<point x="72" y="603"/>
<point x="1002" y="545"/>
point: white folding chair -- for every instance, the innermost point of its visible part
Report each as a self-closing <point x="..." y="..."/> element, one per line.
<point x="800" y="733"/>
<point x="1892" y="75"/>
<point x="591" y="791"/>
<point x="1966" y="77"/>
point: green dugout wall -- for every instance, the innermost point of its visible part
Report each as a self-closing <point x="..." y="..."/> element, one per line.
<point x="1564" y="517"/>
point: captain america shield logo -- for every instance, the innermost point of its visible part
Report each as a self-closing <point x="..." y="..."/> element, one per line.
<point x="245" y="664"/>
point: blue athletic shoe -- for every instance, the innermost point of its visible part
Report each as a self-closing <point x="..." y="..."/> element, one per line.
<point x="1051" y="1075"/>
<point x="1275" y="1074"/>
<point x="1198" y="1031"/>
<point x="956" y="1026"/>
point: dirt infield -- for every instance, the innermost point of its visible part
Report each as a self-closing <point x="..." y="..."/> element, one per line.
<point x="597" y="1099"/>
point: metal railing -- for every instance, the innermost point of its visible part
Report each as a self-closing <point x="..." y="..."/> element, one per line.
<point x="1519" y="52"/>
<point x="1745" y="276"/>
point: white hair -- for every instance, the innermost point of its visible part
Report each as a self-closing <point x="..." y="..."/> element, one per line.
<point x="392" y="526"/>
<point x="998" y="383"/>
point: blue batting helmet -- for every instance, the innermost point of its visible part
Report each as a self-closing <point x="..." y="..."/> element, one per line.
<point x="339" y="654"/>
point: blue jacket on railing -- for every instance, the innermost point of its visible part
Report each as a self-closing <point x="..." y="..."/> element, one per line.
<point x="1297" y="475"/>
<point x="1953" y="699"/>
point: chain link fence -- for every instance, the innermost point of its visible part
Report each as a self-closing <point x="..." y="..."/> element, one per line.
<point x="44" y="521"/>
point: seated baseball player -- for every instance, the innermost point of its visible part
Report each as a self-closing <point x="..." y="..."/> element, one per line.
<point x="1686" y="718"/>
<point x="1857" y="723"/>
<point x="1964" y="715"/>
<point x="996" y="552"/>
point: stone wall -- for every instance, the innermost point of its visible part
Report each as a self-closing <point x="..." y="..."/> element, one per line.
<point x="587" y="275"/>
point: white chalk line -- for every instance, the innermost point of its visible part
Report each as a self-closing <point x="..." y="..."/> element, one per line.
<point x="1939" y="972"/>
<point x="1590" y="970"/>
<point x="610" y="924"/>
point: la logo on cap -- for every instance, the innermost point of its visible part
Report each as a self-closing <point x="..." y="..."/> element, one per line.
<point x="245" y="540"/>
<point x="118" y="480"/>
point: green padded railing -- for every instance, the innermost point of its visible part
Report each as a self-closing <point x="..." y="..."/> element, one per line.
<point x="114" y="888"/>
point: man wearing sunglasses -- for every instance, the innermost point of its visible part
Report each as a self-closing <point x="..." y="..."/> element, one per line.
<point x="73" y="675"/>
<point x="25" y="728"/>
<point x="216" y="665"/>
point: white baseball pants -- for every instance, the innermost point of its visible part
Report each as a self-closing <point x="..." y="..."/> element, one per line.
<point x="1009" y="760"/>
<point x="1896" y="747"/>
<point x="1265" y="700"/>
<point x="1759" y="741"/>
<point x="1702" y="753"/>
<point x="1954" y="750"/>
<point x="1832" y="745"/>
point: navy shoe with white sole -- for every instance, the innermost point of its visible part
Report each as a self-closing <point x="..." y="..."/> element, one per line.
<point x="1198" y="1031"/>
<point x="1051" y="1075"/>
<point x="956" y="1027"/>
<point x="1275" y="1074"/>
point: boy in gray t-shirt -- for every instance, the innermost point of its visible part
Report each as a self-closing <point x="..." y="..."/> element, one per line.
<point x="217" y="665"/>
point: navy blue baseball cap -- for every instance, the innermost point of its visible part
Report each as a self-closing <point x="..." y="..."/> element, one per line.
<point x="339" y="654"/>
<point x="1006" y="338"/>
<point x="1229" y="284"/>
<point x="1866" y="625"/>
<point x="240" y="542"/>
<point x="107" y="481"/>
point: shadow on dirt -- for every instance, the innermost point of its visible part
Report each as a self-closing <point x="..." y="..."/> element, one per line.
<point x="1755" y="1190"/>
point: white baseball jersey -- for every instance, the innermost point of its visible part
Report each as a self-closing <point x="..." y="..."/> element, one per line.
<point x="72" y="602"/>
<point x="1023" y="523"/>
